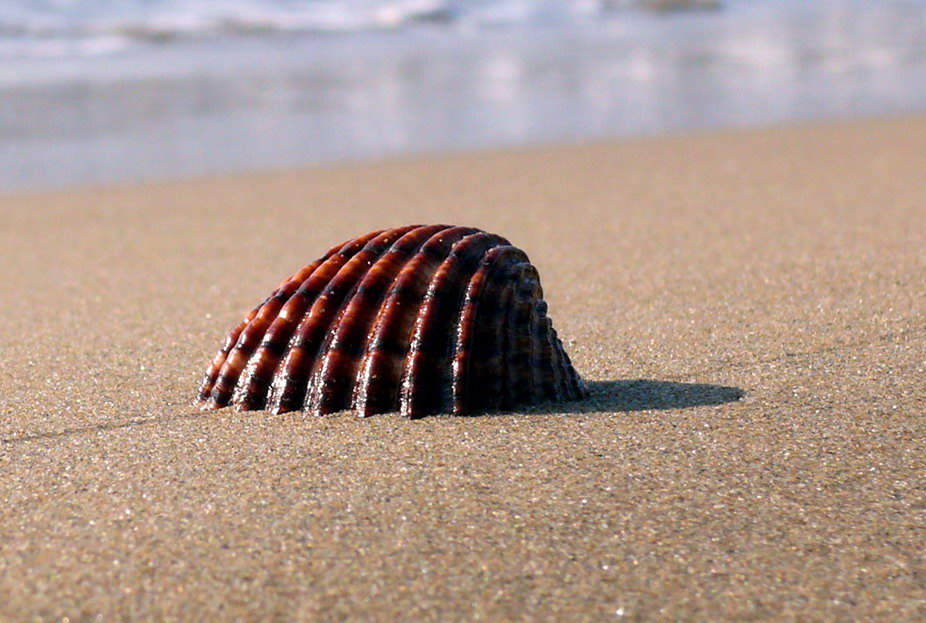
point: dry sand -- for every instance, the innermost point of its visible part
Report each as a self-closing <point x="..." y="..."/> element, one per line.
<point x="786" y="264"/>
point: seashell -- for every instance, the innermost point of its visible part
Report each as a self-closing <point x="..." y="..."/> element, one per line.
<point x="419" y="319"/>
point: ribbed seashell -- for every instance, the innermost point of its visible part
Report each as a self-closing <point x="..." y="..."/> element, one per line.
<point x="419" y="319"/>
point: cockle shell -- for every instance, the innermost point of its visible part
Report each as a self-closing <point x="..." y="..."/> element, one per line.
<point x="419" y="319"/>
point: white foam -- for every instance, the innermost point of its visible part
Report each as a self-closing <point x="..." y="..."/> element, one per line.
<point x="163" y="19"/>
<point x="145" y="21"/>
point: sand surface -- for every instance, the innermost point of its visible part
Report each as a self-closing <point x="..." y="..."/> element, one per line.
<point x="747" y="307"/>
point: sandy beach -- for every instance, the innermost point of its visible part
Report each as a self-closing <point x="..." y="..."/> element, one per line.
<point x="748" y="308"/>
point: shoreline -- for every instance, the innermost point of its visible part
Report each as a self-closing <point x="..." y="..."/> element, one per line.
<point x="488" y="152"/>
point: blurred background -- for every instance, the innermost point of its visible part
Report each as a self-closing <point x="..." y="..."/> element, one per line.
<point x="112" y="91"/>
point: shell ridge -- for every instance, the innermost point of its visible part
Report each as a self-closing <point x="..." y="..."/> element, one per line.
<point x="335" y="365"/>
<point x="536" y="352"/>
<point x="547" y="367"/>
<point x="520" y="373"/>
<point x="443" y="374"/>
<point x="470" y="343"/>
<point x="303" y="273"/>
<point x="464" y="337"/>
<point x="562" y="376"/>
<point x="492" y="359"/>
<point x="241" y="353"/>
<point x="257" y="377"/>
<point x="421" y="388"/>
<point x="212" y="372"/>
<point x="222" y="397"/>
<point x="376" y="388"/>
<point x="290" y="382"/>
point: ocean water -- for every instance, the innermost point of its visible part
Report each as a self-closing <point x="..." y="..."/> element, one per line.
<point x="104" y="91"/>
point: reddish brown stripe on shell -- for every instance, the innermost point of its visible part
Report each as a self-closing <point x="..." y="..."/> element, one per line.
<point x="241" y="341"/>
<point x="254" y="383"/>
<point x="208" y="382"/>
<point x="335" y="367"/>
<point x="377" y="384"/>
<point x="425" y="319"/>
<point x="290" y="385"/>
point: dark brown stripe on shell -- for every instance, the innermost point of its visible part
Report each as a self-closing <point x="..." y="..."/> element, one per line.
<point x="564" y="388"/>
<point x="546" y="368"/>
<point x="377" y="383"/>
<point x="520" y="376"/>
<point x="423" y="387"/>
<point x="494" y="351"/>
<point x="478" y="358"/>
<point x="536" y="361"/>
<point x="335" y="367"/>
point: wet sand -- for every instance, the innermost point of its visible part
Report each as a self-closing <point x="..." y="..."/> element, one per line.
<point x="748" y="309"/>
